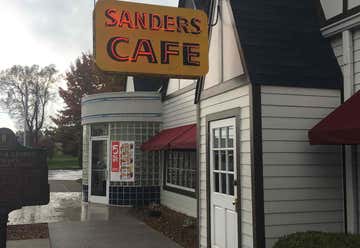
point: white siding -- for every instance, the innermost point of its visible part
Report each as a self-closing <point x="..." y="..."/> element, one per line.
<point x="232" y="99"/>
<point x="179" y="111"/>
<point x="332" y="8"/>
<point x="180" y="203"/>
<point x="353" y="3"/>
<point x="337" y="45"/>
<point x="302" y="183"/>
<point x="356" y="40"/>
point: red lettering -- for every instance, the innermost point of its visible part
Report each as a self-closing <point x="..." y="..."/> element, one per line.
<point x="112" y="48"/>
<point x="144" y="48"/>
<point x="155" y="22"/>
<point x="182" y="24"/>
<point x="168" y="22"/>
<point x="110" y="15"/>
<point x="140" y="20"/>
<point x="195" y="23"/>
<point x="166" y="51"/>
<point x="126" y="19"/>
<point x="189" y="54"/>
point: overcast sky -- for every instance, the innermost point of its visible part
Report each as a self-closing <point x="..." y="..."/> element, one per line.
<point x="46" y="32"/>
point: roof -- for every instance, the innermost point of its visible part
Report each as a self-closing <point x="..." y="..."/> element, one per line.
<point x="342" y="126"/>
<point x="282" y="44"/>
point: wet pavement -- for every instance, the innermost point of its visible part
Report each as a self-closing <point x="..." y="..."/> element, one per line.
<point x="65" y="201"/>
<point x="75" y="224"/>
<point x="65" y="174"/>
<point x="118" y="229"/>
<point x="65" y="186"/>
<point x="62" y="207"/>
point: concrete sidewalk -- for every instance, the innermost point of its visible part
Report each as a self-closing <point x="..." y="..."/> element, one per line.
<point x="122" y="230"/>
<point x="64" y="186"/>
<point x="31" y="243"/>
<point x="107" y="234"/>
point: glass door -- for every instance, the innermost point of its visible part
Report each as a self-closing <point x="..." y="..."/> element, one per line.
<point x="99" y="172"/>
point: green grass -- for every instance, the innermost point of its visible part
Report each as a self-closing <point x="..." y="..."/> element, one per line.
<point x="63" y="162"/>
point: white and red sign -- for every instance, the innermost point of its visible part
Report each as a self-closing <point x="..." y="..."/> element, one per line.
<point x="122" y="161"/>
<point x="115" y="156"/>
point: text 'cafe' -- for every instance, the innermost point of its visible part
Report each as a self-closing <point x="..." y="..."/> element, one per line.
<point x="226" y="141"/>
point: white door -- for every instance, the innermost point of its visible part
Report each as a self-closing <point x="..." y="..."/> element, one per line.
<point x="223" y="181"/>
<point x="99" y="170"/>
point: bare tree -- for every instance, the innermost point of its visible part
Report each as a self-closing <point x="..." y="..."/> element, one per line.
<point x="25" y="93"/>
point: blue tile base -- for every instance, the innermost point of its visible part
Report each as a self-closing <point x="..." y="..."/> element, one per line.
<point x="85" y="193"/>
<point x="134" y="196"/>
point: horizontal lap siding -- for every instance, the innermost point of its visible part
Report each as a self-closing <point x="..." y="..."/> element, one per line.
<point x="356" y="40"/>
<point x="179" y="111"/>
<point x="237" y="98"/>
<point x="337" y="45"/>
<point x="302" y="183"/>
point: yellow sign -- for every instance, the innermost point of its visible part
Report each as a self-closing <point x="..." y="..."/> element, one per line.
<point x="135" y="38"/>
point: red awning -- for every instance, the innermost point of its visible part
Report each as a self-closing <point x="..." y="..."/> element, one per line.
<point x="185" y="141"/>
<point x="342" y="126"/>
<point x="163" y="140"/>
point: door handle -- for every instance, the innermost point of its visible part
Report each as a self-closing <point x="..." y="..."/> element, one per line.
<point x="236" y="204"/>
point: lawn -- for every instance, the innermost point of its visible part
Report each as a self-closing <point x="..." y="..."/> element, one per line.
<point x="63" y="162"/>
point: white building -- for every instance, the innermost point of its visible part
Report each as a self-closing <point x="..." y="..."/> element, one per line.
<point x="250" y="174"/>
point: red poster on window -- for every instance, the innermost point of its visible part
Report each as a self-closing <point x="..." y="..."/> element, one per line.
<point x="115" y="156"/>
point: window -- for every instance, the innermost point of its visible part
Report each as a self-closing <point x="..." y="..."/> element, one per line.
<point x="99" y="129"/>
<point x="180" y="170"/>
<point x="224" y="55"/>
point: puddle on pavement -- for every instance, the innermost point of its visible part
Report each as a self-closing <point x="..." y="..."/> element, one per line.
<point x="62" y="207"/>
<point x="65" y="174"/>
<point x="65" y="207"/>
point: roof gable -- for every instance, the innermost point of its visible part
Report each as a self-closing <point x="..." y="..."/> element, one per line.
<point x="282" y="44"/>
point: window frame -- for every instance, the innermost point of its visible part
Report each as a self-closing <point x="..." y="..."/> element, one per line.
<point x="190" y="192"/>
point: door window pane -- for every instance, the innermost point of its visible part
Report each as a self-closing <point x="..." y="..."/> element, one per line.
<point x="231" y="184"/>
<point x="231" y="134"/>
<point x="217" y="182"/>
<point x="230" y="160"/>
<point x="216" y="160"/>
<point x="223" y="183"/>
<point x="216" y="135"/>
<point x="223" y="160"/>
<point x="223" y="135"/>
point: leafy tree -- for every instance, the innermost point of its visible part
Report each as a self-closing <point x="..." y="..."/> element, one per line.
<point x="26" y="94"/>
<point x="83" y="78"/>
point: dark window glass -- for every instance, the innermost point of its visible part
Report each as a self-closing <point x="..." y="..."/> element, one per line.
<point x="216" y="182"/>
<point x="99" y="129"/>
<point x="231" y="184"/>
<point x="223" y="183"/>
<point x="180" y="166"/>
